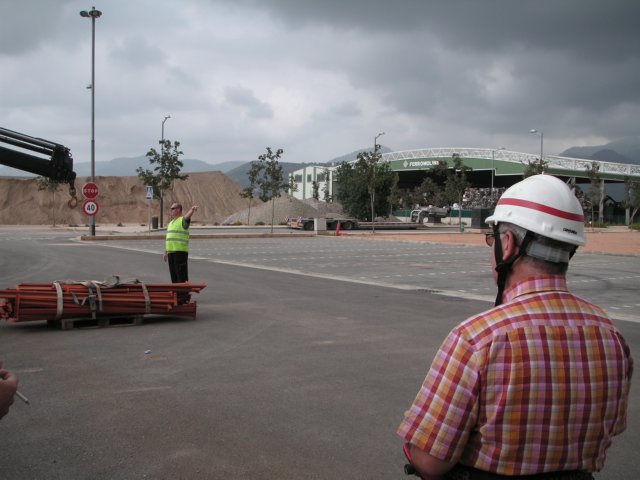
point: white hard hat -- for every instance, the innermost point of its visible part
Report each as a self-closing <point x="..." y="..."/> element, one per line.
<point x="544" y="205"/>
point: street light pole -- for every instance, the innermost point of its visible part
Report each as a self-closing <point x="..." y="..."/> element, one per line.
<point x="165" y="119"/>
<point x="373" y="182"/>
<point x="375" y="142"/>
<point x="537" y="132"/>
<point x="162" y="153"/>
<point x="93" y="14"/>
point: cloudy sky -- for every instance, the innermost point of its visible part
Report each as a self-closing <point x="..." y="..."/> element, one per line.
<point x="320" y="78"/>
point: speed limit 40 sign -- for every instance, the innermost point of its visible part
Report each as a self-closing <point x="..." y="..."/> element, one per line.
<point x="90" y="207"/>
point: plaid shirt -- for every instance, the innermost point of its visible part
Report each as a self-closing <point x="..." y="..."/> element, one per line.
<point x="538" y="384"/>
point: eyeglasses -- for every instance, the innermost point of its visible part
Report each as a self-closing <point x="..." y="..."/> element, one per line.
<point x="490" y="238"/>
<point x="173" y="208"/>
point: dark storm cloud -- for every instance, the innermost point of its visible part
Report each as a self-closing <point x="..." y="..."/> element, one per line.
<point x="591" y="28"/>
<point x="319" y="78"/>
<point x="437" y="57"/>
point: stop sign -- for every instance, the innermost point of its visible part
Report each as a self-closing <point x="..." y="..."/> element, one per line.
<point x="90" y="190"/>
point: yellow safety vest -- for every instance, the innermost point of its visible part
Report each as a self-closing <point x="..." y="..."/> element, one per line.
<point x="177" y="239"/>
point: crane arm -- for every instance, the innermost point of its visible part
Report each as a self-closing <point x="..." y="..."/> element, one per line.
<point x="57" y="163"/>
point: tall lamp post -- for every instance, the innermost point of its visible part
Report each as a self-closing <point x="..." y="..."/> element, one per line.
<point x="93" y="14"/>
<point x="537" y="132"/>
<point x="165" y="119"/>
<point x="373" y="182"/>
<point x="162" y="153"/>
<point x="375" y="142"/>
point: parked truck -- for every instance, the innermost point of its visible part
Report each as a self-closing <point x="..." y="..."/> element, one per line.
<point x="304" y="223"/>
<point x="431" y="214"/>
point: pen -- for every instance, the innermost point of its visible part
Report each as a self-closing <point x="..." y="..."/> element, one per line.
<point x="22" y="397"/>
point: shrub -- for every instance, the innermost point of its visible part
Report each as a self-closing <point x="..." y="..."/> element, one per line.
<point x="259" y="223"/>
<point x="237" y="223"/>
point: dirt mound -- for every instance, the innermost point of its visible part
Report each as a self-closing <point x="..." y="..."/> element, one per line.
<point x="121" y="200"/>
<point x="283" y="207"/>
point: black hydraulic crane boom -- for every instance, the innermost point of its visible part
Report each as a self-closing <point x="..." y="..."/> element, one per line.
<point x="58" y="166"/>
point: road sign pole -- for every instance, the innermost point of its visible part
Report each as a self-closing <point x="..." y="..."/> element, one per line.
<point x="149" y="195"/>
<point x="90" y="191"/>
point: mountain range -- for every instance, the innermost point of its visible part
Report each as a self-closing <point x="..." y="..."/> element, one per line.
<point x="626" y="150"/>
<point x="236" y="170"/>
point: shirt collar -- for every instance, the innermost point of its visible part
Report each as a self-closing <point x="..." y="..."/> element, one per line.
<point x="537" y="284"/>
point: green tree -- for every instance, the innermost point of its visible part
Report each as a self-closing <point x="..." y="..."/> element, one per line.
<point x="270" y="179"/>
<point x="167" y="167"/>
<point x="430" y="193"/>
<point x="315" y="189"/>
<point x="354" y="183"/>
<point x="456" y="180"/>
<point x="535" y="168"/>
<point x="293" y="186"/>
<point x="52" y="186"/>
<point x="326" y="190"/>
<point x="249" y="190"/>
<point x="456" y="183"/>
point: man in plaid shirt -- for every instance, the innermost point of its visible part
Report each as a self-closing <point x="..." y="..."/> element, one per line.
<point x="536" y="387"/>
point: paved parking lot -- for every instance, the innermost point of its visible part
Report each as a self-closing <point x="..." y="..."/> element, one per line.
<point x="446" y="269"/>
<point x="305" y="354"/>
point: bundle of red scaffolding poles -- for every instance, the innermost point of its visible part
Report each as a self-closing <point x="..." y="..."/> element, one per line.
<point x="91" y="299"/>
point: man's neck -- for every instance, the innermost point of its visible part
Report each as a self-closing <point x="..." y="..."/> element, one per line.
<point x="520" y="271"/>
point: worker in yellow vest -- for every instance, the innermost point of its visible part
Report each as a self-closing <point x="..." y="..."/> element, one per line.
<point x="176" y="250"/>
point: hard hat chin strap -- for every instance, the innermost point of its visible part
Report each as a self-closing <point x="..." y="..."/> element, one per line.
<point x="504" y="267"/>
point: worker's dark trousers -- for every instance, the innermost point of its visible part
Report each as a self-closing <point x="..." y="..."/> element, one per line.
<point x="178" y="266"/>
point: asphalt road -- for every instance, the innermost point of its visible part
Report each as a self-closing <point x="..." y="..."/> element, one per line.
<point x="304" y="356"/>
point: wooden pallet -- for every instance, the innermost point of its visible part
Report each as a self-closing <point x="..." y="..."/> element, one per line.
<point x="102" y="322"/>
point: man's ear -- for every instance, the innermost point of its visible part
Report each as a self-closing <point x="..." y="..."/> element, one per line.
<point x="509" y="245"/>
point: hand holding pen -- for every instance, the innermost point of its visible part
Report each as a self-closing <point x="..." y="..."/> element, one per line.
<point x="9" y="390"/>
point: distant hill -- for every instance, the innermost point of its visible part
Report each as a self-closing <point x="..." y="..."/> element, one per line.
<point x="126" y="167"/>
<point x="625" y="150"/>
<point x="239" y="174"/>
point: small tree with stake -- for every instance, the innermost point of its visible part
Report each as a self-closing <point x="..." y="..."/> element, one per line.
<point x="167" y="169"/>
<point x="249" y="190"/>
<point x="457" y="183"/>
<point x="595" y="194"/>
<point x="631" y="198"/>
<point x="327" y="185"/>
<point x="269" y="178"/>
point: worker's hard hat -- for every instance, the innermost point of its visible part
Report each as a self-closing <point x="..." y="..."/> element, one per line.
<point x="544" y="205"/>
